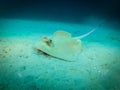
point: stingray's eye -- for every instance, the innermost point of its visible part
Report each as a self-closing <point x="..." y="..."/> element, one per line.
<point x="50" y="41"/>
<point x="44" y="38"/>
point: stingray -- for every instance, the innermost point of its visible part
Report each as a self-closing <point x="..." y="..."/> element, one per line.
<point x="61" y="45"/>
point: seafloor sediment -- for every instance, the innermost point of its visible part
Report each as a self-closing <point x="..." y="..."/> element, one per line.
<point x="96" y="68"/>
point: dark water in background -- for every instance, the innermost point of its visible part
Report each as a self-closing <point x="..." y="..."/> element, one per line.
<point x="68" y="11"/>
<point x="72" y="11"/>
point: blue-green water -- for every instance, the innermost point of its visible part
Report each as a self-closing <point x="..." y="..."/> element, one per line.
<point x="22" y="68"/>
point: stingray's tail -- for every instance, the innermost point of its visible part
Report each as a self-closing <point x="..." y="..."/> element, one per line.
<point x="85" y="35"/>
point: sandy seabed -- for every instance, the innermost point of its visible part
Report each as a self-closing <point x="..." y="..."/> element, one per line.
<point x="22" y="68"/>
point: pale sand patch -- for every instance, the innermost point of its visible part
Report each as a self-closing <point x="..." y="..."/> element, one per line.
<point x="18" y="58"/>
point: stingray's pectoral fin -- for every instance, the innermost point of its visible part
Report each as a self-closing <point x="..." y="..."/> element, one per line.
<point x="62" y="33"/>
